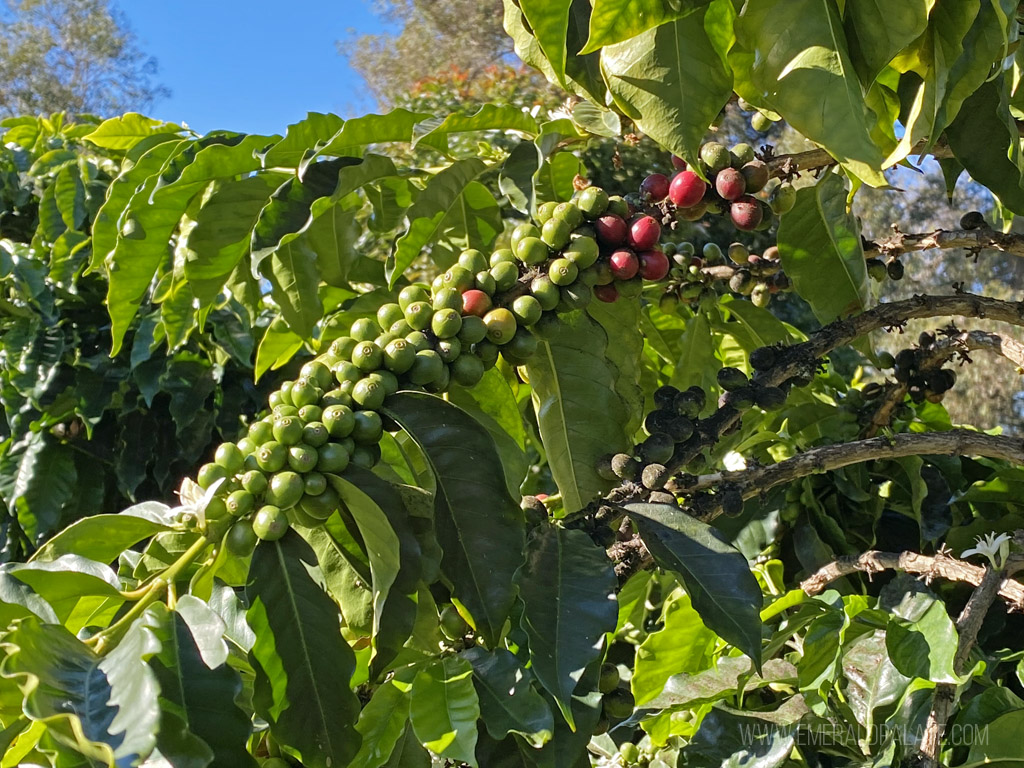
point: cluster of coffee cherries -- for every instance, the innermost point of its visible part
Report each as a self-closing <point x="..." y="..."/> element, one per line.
<point x="733" y="176"/>
<point x="617" y="702"/>
<point x="671" y="425"/>
<point x="757" y="276"/>
<point x="433" y="337"/>
<point x="923" y="379"/>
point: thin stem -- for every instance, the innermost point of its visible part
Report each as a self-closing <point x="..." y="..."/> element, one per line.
<point x="108" y="638"/>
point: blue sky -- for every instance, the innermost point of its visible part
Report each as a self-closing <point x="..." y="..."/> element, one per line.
<point x="253" y="66"/>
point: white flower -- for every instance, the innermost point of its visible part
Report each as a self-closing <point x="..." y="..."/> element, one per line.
<point x="734" y="461"/>
<point x="995" y="548"/>
<point x="194" y="501"/>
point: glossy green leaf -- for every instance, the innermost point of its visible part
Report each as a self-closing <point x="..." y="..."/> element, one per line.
<point x="490" y="117"/>
<point x="732" y="737"/>
<point x="360" y="132"/>
<point x="278" y="346"/>
<point x="580" y="413"/>
<point x="508" y="704"/>
<point x="549" y="20"/>
<point x="621" y="322"/>
<point x="155" y="216"/>
<point x="791" y="56"/>
<point x="729" y="675"/>
<point x="73" y="585"/>
<point x="555" y="178"/>
<point x="821" y="251"/>
<point x="924" y="647"/>
<point x="346" y="578"/>
<point x="682" y="647"/>
<point x="443" y="195"/>
<point x="103" y="707"/>
<point x="873" y="682"/>
<point x="995" y="162"/>
<point x="382" y="724"/>
<point x="479" y="526"/>
<point x="674" y="78"/>
<point x="101" y="537"/>
<point x="444" y="709"/>
<point x="715" y="575"/>
<point x="303" y="664"/>
<point x="582" y="74"/>
<point x="223" y="231"/>
<point x="876" y="31"/>
<point x="492" y="403"/>
<point x="517" y="173"/>
<point x="567" y="586"/>
<point x="303" y="139"/>
<point x="37" y="479"/>
<point x="123" y="132"/>
<point x="408" y="753"/>
<point x="197" y="701"/>
<point x="614" y="21"/>
<point x="1001" y="746"/>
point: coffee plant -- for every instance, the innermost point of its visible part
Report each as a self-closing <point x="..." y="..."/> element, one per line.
<point x="480" y="464"/>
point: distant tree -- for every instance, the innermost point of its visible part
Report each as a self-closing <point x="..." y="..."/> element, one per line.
<point x="434" y="36"/>
<point x="77" y="56"/>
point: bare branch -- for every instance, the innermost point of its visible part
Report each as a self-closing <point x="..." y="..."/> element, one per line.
<point x="957" y="442"/>
<point x="971" y="239"/>
<point x="929" y="566"/>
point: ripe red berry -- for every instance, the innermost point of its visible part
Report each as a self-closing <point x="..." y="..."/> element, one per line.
<point x="540" y="496"/>
<point x="624" y="264"/>
<point x="653" y="265"/>
<point x="607" y="293"/>
<point x="476" y="302"/>
<point x="644" y="232"/>
<point x="730" y="184"/>
<point x="678" y="163"/>
<point x="687" y="189"/>
<point x="611" y="229"/>
<point x="746" y="213"/>
<point x="654" y="188"/>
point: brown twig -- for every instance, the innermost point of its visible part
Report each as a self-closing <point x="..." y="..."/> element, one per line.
<point x="971" y="239"/>
<point x="756" y="480"/>
<point x="929" y="566"/>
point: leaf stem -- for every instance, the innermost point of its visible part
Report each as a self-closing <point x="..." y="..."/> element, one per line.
<point x="104" y="641"/>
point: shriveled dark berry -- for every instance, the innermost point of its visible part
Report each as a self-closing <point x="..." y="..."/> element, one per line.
<point x="664" y="397"/>
<point x="907" y="360"/>
<point x="625" y="466"/>
<point x="740" y="399"/>
<point x="973" y="220"/>
<point x="894" y="269"/>
<point x="682" y="428"/>
<point x="655" y="476"/>
<point x="657" y="448"/>
<point x="689" y="404"/>
<point x="604" y="467"/>
<point x="926" y="340"/>
<point x="731" y="499"/>
<point x="730" y="379"/>
<point x="659" y="421"/>
<point x="769" y="398"/>
<point x="535" y="510"/>
<point x="763" y="358"/>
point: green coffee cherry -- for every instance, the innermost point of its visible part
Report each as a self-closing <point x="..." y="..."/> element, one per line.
<point x="409" y="295"/>
<point x="446" y="323"/>
<point x="255" y="482"/>
<point x="459" y="278"/>
<point x="467" y="370"/>
<point x="502" y="255"/>
<point x="592" y="202"/>
<point x="270" y="523"/>
<point x="363" y="329"/>
<point x="527" y="309"/>
<point x="520" y="233"/>
<point x="230" y="457"/>
<point x="569" y="213"/>
<point x="582" y="251"/>
<point x="449" y="349"/>
<point x="426" y="367"/>
<point x="288" y="430"/>
<point x="418" y="315"/>
<point x="369" y="427"/>
<point x="285" y="489"/>
<point x="271" y="456"/>
<point x="342" y="348"/>
<point x="473" y="330"/>
<point x="562" y="272"/>
<point x="531" y="250"/>
<point x="367" y="356"/>
<point x="473" y="260"/>
<point x="332" y="458"/>
<point x="399" y="356"/>
<point x="447" y="298"/>
<point x="315" y="434"/>
<point x="501" y="325"/>
<point x="339" y="421"/>
<point x="388" y="315"/>
<point x="209" y="474"/>
<point x="505" y="275"/>
<point x="555" y="233"/>
<point x="546" y="292"/>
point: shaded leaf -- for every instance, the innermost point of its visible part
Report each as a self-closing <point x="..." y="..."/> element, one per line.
<point x="303" y="664"/>
<point x="479" y="526"/>
<point x="508" y="704"/>
<point x="716" y="576"/>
